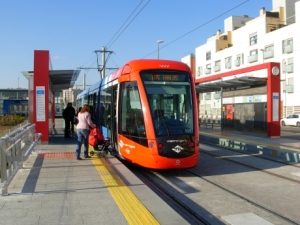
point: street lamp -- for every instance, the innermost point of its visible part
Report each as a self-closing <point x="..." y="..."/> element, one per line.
<point x="158" y="42"/>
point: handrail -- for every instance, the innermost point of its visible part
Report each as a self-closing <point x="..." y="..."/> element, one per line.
<point x="209" y="124"/>
<point x="15" y="148"/>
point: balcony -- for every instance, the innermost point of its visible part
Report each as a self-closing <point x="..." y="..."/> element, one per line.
<point x="289" y="68"/>
<point x="217" y="68"/>
<point x="228" y="65"/>
<point x="268" y="54"/>
<point x="217" y="96"/>
<point x="288" y="49"/>
<point x="207" y="97"/>
<point x="252" y="58"/>
<point x="207" y="70"/>
<point x="289" y="88"/>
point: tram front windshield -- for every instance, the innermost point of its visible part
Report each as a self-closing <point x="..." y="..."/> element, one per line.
<point x="170" y="100"/>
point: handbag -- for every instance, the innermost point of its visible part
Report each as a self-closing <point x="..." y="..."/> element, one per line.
<point x="75" y="120"/>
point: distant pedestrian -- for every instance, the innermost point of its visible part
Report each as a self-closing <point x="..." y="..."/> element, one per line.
<point x="83" y="130"/>
<point x="68" y="115"/>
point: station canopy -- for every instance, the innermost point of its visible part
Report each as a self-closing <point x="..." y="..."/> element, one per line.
<point x="60" y="79"/>
<point x="232" y="83"/>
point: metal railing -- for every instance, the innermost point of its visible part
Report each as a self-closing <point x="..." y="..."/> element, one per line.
<point x="15" y="148"/>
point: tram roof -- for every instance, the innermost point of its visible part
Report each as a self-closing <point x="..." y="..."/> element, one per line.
<point x="60" y="79"/>
<point x="232" y="83"/>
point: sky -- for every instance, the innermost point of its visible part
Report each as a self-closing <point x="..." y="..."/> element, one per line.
<point x="72" y="30"/>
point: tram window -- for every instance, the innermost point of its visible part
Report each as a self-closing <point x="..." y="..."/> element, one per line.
<point x="173" y="98"/>
<point x="105" y="102"/>
<point x="132" y="120"/>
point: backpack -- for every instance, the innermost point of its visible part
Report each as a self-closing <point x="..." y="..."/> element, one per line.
<point x="95" y="135"/>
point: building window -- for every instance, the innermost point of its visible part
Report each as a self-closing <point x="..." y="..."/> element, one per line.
<point x="208" y="55"/>
<point x="253" y="52"/>
<point x="269" y="48"/>
<point x="287" y="45"/>
<point x="289" y="68"/>
<point x="228" y="62"/>
<point x="208" y="69"/>
<point x="217" y="66"/>
<point x="253" y="56"/>
<point x="268" y="52"/>
<point x="208" y="96"/>
<point x="253" y="39"/>
<point x="199" y="71"/>
<point x="239" y="60"/>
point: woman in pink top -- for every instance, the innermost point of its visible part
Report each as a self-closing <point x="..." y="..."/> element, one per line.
<point x="83" y="130"/>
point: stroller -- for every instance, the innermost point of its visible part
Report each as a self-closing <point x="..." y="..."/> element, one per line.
<point x="100" y="144"/>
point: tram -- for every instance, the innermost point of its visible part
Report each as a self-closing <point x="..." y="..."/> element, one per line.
<point x="148" y="110"/>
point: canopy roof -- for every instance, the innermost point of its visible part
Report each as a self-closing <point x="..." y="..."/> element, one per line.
<point x="60" y="79"/>
<point x="233" y="83"/>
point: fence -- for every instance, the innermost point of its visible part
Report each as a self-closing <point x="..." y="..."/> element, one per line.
<point x="15" y="148"/>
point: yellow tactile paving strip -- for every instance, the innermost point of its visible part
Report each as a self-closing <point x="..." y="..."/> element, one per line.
<point x="57" y="155"/>
<point x="131" y="207"/>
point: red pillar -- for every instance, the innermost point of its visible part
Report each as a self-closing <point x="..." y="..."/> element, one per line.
<point x="273" y="100"/>
<point x="41" y="93"/>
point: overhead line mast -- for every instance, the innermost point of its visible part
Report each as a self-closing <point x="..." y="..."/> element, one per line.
<point x="101" y="68"/>
<point x="104" y="60"/>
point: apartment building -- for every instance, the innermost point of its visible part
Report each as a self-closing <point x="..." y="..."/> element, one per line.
<point x="271" y="37"/>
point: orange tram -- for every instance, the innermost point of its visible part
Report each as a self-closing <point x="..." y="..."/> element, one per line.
<point x="148" y="110"/>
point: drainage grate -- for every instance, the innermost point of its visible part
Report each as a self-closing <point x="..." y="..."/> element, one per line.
<point x="57" y="155"/>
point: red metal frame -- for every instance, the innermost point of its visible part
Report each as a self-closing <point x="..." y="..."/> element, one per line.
<point x="273" y="87"/>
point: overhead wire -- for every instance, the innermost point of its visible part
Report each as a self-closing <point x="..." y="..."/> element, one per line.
<point x="124" y="23"/>
<point x="86" y="70"/>
<point x="197" y="28"/>
<point x="129" y="23"/>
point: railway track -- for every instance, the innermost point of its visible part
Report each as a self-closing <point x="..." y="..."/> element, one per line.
<point x="178" y="189"/>
<point x="253" y="167"/>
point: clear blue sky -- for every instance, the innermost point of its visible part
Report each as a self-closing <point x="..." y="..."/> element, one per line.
<point x="73" y="29"/>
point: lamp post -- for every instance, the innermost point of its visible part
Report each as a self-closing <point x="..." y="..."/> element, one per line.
<point x="158" y="42"/>
<point x="18" y="82"/>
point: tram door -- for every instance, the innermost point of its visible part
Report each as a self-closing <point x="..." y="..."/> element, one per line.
<point x="112" y="123"/>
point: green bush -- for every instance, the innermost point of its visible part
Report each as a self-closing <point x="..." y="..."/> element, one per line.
<point x="11" y="120"/>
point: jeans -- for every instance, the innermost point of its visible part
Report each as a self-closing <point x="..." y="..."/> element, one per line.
<point x="82" y="135"/>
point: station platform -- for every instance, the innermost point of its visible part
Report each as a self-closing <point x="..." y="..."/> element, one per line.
<point x="285" y="149"/>
<point x="55" y="188"/>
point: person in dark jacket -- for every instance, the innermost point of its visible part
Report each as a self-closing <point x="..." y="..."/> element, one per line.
<point x="69" y="114"/>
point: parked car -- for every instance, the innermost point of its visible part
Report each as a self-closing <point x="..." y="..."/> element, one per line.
<point x="292" y="120"/>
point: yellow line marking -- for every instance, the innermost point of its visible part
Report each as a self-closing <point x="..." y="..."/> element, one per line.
<point x="131" y="207"/>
